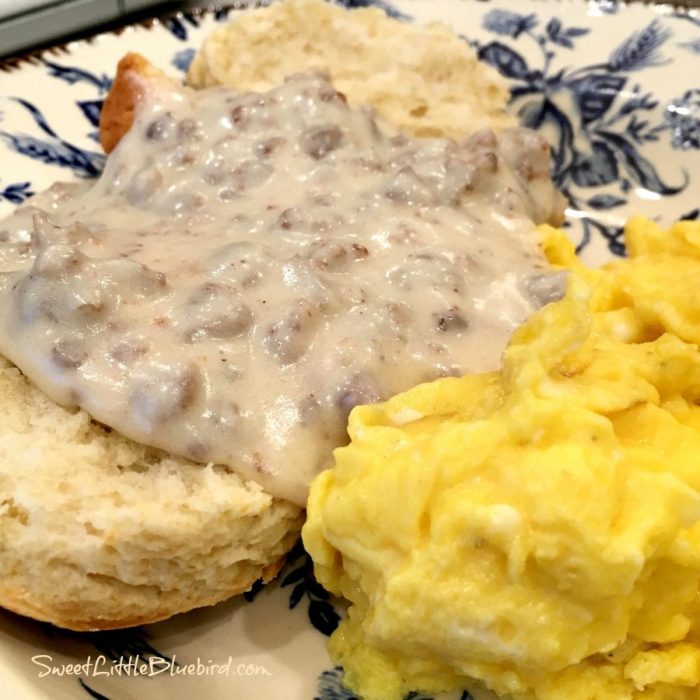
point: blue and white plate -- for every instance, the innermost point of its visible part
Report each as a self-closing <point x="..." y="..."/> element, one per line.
<point x="616" y="90"/>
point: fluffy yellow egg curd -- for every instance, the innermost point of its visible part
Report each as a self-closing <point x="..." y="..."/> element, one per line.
<point x="534" y="531"/>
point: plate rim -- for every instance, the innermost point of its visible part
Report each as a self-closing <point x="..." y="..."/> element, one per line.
<point x="10" y="64"/>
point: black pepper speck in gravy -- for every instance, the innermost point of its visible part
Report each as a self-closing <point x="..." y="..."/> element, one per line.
<point x="251" y="266"/>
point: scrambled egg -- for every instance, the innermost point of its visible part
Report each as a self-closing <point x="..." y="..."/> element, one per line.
<point x="534" y="531"/>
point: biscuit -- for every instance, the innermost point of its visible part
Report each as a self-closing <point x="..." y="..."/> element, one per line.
<point x="99" y="532"/>
<point x="134" y="79"/>
<point x="423" y="79"/>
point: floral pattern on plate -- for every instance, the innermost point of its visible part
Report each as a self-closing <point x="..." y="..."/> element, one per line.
<point x="599" y="78"/>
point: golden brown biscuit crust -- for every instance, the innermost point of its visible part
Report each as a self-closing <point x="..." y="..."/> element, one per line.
<point x="131" y="84"/>
<point x="72" y="616"/>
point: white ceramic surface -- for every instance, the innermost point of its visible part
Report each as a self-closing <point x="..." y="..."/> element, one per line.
<point x="617" y="91"/>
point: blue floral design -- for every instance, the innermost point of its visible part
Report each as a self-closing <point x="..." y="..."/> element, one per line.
<point x="182" y="59"/>
<point x="693" y="45"/>
<point x="16" y="193"/>
<point x="54" y="151"/>
<point x="683" y="119"/>
<point x="91" y="110"/>
<point x="380" y="4"/>
<point x="252" y="594"/>
<point x="177" y="25"/>
<point x="640" y="50"/>
<point x="322" y="614"/>
<point x="599" y="144"/>
<point x="330" y="687"/>
<point x="509" y="23"/>
<point x="563" y="37"/>
<point x="91" y="691"/>
<point x="72" y="75"/>
<point x="299" y="573"/>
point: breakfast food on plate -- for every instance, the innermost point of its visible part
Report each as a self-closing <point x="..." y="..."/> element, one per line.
<point x="135" y="77"/>
<point x="248" y="267"/>
<point x="97" y="531"/>
<point x="423" y="79"/>
<point x="536" y="530"/>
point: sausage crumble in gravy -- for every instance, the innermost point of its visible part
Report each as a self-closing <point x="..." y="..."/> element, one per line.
<point x="249" y="267"/>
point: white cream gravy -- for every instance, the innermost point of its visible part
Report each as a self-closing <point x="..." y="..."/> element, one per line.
<point x="251" y="266"/>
